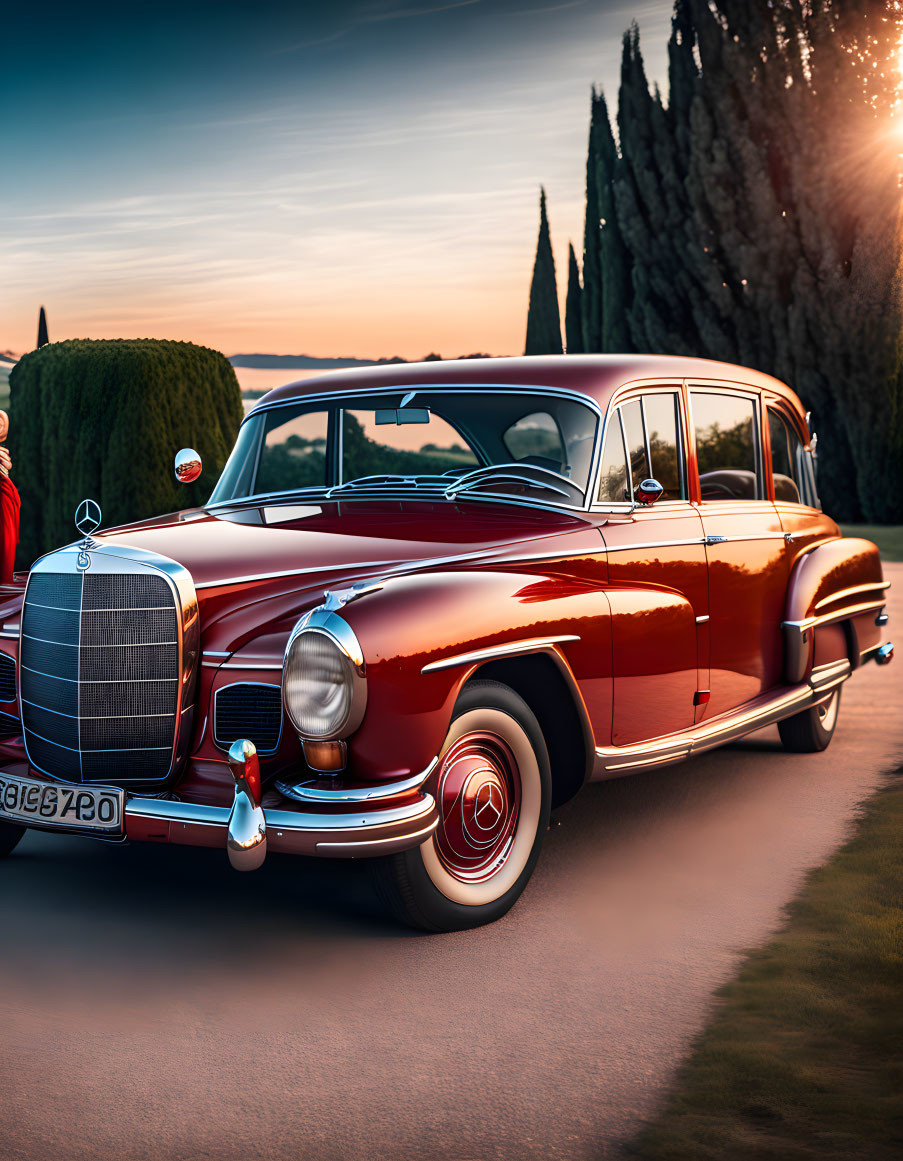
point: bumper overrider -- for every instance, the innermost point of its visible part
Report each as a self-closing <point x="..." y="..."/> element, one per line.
<point x="361" y="823"/>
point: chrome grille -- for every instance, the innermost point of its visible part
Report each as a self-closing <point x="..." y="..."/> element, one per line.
<point x="7" y="678"/>
<point x="100" y="676"/>
<point x="251" y="710"/>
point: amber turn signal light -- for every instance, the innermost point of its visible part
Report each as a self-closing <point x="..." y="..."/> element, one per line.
<point x="327" y="757"/>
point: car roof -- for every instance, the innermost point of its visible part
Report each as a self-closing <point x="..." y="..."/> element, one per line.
<point x="595" y="376"/>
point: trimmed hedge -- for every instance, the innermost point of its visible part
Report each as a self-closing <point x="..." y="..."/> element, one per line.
<point x="104" y="418"/>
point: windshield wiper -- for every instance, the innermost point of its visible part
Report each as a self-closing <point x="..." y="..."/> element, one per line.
<point x="518" y="473"/>
<point x="415" y="481"/>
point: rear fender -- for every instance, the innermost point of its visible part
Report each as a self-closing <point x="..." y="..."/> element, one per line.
<point x="835" y="593"/>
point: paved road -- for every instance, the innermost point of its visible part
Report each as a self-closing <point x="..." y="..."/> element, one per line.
<point x="155" y="1005"/>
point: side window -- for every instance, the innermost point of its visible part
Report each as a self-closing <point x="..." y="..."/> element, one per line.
<point x="726" y="446"/>
<point x="535" y="439"/>
<point x="787" y="465"/>
<point x="613" y="485"/>
<point x="661" y="412"/>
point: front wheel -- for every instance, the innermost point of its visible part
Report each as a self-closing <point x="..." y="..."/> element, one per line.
<point x="812" y="730"/>
<point x="493" y="790"/>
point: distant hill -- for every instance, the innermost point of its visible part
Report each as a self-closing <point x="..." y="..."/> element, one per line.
<point x="299" y="362"/>
<point x="311" y="362"/>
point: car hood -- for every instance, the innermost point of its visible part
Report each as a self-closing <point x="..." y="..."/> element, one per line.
<point x="325" y="541"/>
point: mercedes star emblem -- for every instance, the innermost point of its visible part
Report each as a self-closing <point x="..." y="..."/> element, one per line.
<point x="487" y="811"/>
<point x="87" y="517"/>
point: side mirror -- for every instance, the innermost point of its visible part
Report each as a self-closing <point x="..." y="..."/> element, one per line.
<point x="188" y="465"/>
<point x="648" y="492"/>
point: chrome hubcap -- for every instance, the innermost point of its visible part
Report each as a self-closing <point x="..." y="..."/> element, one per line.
<point x="478" y="793"/>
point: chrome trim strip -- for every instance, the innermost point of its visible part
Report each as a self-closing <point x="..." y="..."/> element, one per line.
<point x="762" y="711"/>
<point x="11" y="633"/>
<point x="391" y="568"/>
<point x="301" y="792"/>
<point x="702" y="620"/>
<point x="866" y="588"/>
<point x="527" y="645"/>
<point x="198" y="814"/>
<point x="418" y="834"/>
<point x="825" y="673"/>
<point x="249" y="665"/>
<point x="654" y="544"/>
<point x="340" y="394"/>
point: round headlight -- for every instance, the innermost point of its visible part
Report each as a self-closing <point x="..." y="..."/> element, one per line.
<point x="321" y="686"/>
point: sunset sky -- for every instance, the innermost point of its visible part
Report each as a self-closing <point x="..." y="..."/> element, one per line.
<point x="358" y="177"/>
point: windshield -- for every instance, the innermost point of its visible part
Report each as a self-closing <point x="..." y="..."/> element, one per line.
<point x="423" y="441"/>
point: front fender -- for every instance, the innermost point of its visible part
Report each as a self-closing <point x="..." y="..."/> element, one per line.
<point x="837" y="583"/>
<point x="417" y="633"/>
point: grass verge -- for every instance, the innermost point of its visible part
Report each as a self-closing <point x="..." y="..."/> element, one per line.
<point x="888" y="537"/>
<point x="804" y="1056"/>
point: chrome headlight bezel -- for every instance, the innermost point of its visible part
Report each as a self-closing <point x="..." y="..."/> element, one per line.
<point x="338" y="632"/>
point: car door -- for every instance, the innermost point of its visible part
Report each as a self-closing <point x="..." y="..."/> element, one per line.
<point x="658" y="588"/>
<point x="745" y="545"/>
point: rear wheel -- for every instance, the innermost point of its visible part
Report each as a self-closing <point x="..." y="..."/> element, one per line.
<point x="812" y="730"/>
<point x="10" y="836"/>
<point x="493" y="789"/>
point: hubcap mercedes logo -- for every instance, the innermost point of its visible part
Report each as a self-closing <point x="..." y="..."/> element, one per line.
<point x="87" y="517"/>
<point x="488" y="807"/>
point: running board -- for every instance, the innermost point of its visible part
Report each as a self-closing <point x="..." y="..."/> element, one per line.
<point x="613" y="761"/>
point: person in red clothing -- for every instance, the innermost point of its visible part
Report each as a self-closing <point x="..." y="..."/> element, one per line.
<point x="9" y="508"/>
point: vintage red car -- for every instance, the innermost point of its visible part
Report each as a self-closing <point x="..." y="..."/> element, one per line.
<point x="425" y="604"/>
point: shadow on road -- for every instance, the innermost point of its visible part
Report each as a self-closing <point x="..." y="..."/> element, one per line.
<point x="181" y="905"/>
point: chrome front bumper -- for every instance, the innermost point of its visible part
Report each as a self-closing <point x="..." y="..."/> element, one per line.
<point x="348" y="835"/>
<point x="248" y="831"/>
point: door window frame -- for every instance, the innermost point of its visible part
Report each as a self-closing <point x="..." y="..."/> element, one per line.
<point x="619" y="398"/>
<point x="777" y="404"/>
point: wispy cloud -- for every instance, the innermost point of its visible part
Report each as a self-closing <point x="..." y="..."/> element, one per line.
<point x="407" y="13"/>
<point x="310" y="43"/>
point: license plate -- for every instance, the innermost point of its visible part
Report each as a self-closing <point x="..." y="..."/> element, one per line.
<point x="49" y="804"/>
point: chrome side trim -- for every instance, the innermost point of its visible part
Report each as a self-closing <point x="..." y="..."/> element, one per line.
<point x="762" y="711"/>
<point x="702" y="620"/>
<point x="655" y="544"/>
<point x="389" y="568"/>
<point x="303" y="792"/>
<point x="873" y="586"/>
<point x="249" y="665"/>
<point x="510" y="649"/>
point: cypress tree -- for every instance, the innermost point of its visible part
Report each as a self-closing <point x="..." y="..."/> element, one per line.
<point x="615" y="261"/>
<point x="43" y="339"/>
<point x="573" y="310"/>
<point x="543" y="317"/>
<point x="592" y="243"/>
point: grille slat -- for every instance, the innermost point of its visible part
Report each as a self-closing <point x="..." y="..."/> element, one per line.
<point x="248" y="710"/>
<point x="90" y="643"/>
<point x="7" y="678"/>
